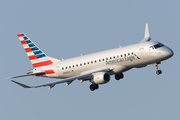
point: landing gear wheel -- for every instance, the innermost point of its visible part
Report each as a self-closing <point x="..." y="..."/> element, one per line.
<point x="96" y="86"/>
<point x="158" y="72"/>
<point x="93" y="87"/>
<point x="119" y="76"/>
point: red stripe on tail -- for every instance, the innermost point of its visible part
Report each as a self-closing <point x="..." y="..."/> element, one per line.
<point x="32" y="57"/>
<point x="19" y="35"/>
<point x="46" y="72"/>
<point x="28" y="50"/>
<point x="40" y="64"/>
<point x="49" y="71"/>
<point x="23" y="42"/>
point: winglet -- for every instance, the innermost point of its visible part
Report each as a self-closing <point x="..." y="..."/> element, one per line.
<point x="25" y="86"/>
<point x="147" y="36"/>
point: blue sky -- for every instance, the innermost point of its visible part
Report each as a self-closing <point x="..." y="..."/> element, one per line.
<point x="68" y="28"/>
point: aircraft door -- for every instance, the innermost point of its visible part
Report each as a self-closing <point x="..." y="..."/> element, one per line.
<point x="142" y="52"/>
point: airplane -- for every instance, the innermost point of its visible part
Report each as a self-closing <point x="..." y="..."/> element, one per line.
<point x="95" y="67"/>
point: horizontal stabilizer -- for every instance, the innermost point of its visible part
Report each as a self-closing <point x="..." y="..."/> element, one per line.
<point x="27" y="75"/>
<point x="25" y="86"/>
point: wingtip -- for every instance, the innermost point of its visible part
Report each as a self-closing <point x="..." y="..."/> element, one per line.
<point x="22" y="85"/>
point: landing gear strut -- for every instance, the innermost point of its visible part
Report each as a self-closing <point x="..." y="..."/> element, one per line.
<point x="119" y="76"/>
<point x="158" y="72"/>
<point x="93" y="86"/>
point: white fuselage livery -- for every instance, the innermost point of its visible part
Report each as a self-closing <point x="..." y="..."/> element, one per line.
<point x="96" y="67"/>
<point x="120" y="59"/>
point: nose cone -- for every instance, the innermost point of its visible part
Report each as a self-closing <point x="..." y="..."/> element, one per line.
<point x="168" y="53"/>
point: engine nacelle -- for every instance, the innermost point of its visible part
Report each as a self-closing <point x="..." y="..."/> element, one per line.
<point x="101" y="78"/>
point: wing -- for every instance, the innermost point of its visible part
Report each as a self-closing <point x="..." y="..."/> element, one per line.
<point x="52" y="84"/>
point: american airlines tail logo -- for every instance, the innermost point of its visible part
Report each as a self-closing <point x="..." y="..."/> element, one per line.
<point x="129" y="58"/>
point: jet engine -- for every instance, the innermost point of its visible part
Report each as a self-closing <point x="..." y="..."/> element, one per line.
<point x="101" y="78"/>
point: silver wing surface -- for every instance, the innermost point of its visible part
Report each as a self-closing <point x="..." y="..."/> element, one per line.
<point x="52" y="84"/>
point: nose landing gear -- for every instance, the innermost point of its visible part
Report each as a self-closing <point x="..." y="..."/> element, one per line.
<point x="158" y="72"/>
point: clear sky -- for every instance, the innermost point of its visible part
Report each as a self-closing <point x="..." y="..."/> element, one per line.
<point x="68" y="28"/>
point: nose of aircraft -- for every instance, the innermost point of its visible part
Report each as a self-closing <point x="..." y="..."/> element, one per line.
<point x="168" y="53"/>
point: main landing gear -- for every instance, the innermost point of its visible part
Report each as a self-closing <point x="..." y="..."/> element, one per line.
<point x="93" y="86"/>
<point x="119" y="76"/>
<point x="158" y="72"/>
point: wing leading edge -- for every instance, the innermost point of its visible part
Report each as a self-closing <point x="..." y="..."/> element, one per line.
<point x="52" y="84"/>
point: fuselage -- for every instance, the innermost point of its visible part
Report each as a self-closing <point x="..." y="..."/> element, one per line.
<point x="118" y="59"/>
<point x="95" y="67"/>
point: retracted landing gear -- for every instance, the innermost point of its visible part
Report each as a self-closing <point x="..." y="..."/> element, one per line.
<point x="93" y="86"/>
<point x="158" y="72"/>
<point x="119" y="76"/>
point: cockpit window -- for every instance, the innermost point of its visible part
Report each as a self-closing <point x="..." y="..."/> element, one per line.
<point x="158" y="45"/>
<point x="151" y="48"/>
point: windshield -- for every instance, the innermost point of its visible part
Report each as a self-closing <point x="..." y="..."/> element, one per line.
<point x="158" y="45"/>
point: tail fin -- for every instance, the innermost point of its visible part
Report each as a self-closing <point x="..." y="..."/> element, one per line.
<point x="147" y="36"/>
<point x="37" y="57"/>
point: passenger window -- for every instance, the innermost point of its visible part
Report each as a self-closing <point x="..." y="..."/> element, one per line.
<point x="91" y="61"/>
<point x="124" y="55"/>
<point x="95" y="61"/>
<point x="73" y="65"/>
<point x="103" y="59"/>
<point x="106" y="58"/>
<point x="114" y="57"/>
<point x="62" y="68"/>
<point x="117" y="56"/>
<point x="110" y="57"/>
<point x="128" y="53"/>
<point x="66" y="67"/>
<point x="88" y="62"/>
<point x="80" y="64"/>
<point x="84" y="63"/>
<point x="76" y="65"/>
<point x="132" y="53"/>
<point x="69" y="66"/>
<point x="121" y="55"/>
<point x="99" y="60"/>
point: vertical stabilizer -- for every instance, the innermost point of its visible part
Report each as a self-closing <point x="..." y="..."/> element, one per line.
<point x="146" y="34"/>
<point x="37" y="57"/>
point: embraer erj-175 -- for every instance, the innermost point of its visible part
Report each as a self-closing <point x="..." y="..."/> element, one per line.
<point x="96" y="67"/>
